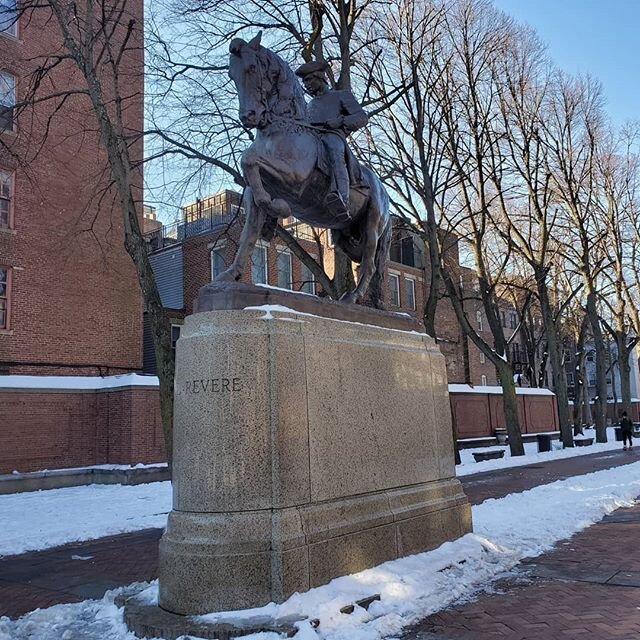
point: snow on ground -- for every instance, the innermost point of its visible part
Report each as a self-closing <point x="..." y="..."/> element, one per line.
<point x="470" y="466"/>
<point x="505" y="531"/>
<point x="42" y="519"/>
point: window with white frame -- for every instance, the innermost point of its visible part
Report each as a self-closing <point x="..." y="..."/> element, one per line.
<point x="259" y="265"/>
<point x="7" y="100"/>
<point x="218" y="264"/>
<point x="394" y="289"/>
<point x="9" y="17"/>
<point x="410" y="293"/>
<point x="479" y="320"/>
<point x="285" y="280"/>
<point x="483" y="380"/>
<point x="513" y="320"/>
<point x="483" y="358"/>
<point x="6" y="198"/>
<point x="308" y="284"/>
<point x="5" y="291"/>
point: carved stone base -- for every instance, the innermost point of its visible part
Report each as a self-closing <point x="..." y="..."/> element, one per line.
<point x="304" y="448"/>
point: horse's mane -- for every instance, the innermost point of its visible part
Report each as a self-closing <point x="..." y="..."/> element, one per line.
<point x="288" y="98"/>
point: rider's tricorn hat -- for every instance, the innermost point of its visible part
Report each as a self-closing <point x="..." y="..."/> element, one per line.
<point x="314" y="66"/>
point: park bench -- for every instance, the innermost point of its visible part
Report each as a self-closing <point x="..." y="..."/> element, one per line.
<point x="544" y="440"/>
<point x="482" y="456"/>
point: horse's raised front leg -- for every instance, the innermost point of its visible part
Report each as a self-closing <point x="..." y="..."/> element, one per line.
<point x="254" y="219"/>
<point x="251" y="172"/>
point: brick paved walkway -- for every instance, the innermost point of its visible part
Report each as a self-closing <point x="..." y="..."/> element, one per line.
<point x="587" y="588"/>
<point x="41" y="579"/>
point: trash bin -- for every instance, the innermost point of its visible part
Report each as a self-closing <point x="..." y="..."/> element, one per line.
<point x="544" y="442"/>
<point x="618" y="434"/>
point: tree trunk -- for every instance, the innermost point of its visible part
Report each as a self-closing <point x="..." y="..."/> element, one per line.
<point x="625" y="372"/>
<point x="601" y="367"/>
<point x="510" y="408"/>
<point x="343" y="280"/>
<point x="554" y="348"/>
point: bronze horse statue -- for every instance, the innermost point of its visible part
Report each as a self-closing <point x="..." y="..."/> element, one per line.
<point x="285" y="170"/>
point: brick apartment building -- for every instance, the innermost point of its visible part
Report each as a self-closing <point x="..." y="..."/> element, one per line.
<point x="189" y="254"/>
<point x="70" y="304"/>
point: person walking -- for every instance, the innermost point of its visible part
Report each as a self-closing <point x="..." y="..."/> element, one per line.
<point x="627" y="431"/>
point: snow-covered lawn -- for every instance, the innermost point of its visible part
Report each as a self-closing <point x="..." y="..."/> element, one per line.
<point x="43" y="519"/>
<point x="506" y="531"/>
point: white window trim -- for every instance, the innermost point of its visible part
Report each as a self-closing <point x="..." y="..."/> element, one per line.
<point x="479" y="320"/>
<point x="263" y="246"/>
<point x="412" y="280"/>
<point x="397" y="279"/>
<point x="483" y="380"/>
<point x="211" y="252"/>
<point x="280" y="250"/>
<point x="15" y="98"/>
<point x="483" y="358"/>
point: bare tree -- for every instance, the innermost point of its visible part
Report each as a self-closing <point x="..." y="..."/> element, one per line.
<point x="573" y="131"/>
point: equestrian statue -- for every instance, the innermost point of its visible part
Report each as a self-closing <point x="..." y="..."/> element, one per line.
<point x="300" y="164"/>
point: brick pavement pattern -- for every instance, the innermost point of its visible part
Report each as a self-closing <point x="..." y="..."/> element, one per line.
<point x="44" y="578"/>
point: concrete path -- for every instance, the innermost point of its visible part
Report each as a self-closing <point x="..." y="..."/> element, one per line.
<point x="86" y="570"/>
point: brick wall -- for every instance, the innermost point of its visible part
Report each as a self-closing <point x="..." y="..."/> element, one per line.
<point x="75" y="302"/>
<point x="50" y="429"/>
<point x="479" y="414"/>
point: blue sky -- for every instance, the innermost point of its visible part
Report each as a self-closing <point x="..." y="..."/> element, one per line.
<point x="599" y="37"/>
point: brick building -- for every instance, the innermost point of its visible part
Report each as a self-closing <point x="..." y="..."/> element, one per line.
<point x="70" y="305"/>
<point x="189" y="254"/>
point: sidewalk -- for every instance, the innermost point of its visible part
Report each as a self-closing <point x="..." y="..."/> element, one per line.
<point x="86" y="570"/>
<point x="587" y="588"/>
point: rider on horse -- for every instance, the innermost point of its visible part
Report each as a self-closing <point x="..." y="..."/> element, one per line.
<point x="338" y="114"/>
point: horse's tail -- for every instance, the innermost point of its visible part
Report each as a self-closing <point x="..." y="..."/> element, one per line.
<point x="382" y="255"/>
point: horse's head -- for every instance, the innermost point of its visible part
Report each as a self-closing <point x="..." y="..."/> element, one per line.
<point x="265" y="83"/>
<point x="246" y="70"/>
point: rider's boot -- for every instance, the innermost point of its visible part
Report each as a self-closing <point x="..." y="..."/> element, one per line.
<point x="337" y="200"/>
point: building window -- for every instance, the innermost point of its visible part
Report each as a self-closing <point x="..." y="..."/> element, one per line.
<point x="175" y="334"/>
<point x="570" y="378"/>
<point x="8" y="17"/>
<point x="5" y="290"/>
<point x="504" y="319"/>
<point x="259" y="265"/>
<point x="394" y="288"/>
<point x="513" y="320"/>
<point x="7" y="100"/>
<point x="218" y="264"/>
<point x="516" y="352"/>
<point x="6" y="198"/>
<point x="410" y="293"/>
<point x="285" y="281"/>
<point x="483" y="380"/>
<point x="308" y="280"/>
<point x="479" y="320"/>
<point x="483" y="358"/>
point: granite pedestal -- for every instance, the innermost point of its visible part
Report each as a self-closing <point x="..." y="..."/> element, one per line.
<point x="305" y="448"/>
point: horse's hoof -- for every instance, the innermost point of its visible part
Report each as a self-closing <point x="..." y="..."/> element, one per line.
<point x="348" y="298"/>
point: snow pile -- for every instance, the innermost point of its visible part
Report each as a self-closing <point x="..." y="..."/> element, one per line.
<point x="43" y="519"/>
<point x="506" y="531"/>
